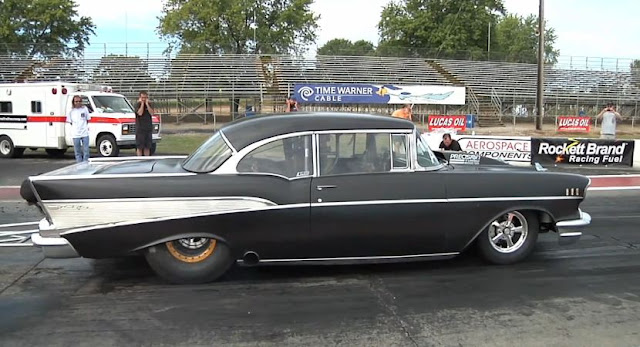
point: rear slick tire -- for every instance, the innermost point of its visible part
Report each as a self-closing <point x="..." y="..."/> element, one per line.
<point x="190" y="260"/>
<point x="509" y="238"/>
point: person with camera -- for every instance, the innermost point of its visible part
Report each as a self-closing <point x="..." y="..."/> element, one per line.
<point x="609" y="117"/>
<point x="144" y="125"/>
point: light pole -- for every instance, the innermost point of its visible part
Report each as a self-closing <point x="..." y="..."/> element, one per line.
<point x="540" y="92"/>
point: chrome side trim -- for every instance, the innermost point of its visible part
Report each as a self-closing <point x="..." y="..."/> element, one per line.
<point x="382" y="257"/>
<point x="226" y="140"/>
<point x="517" y="198"/>
<point x="68" y="214"/>
<point x="185" y="216"/>
<point x="454" y="200"/>
<point x="96" y="176"/>
<point x="203" y="198"/>
<point x="116" y="159"/>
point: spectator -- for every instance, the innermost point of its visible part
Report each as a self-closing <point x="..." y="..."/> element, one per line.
<point x="404" y="112"/>
<point x="609" y="116"/>
<point x="79" y="118"/>
<point x="449" y="144"/>
<point x="144" y="125"/>
<point x="292" y="104"/>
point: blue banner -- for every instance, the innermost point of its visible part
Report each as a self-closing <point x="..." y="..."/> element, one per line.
<point x="351" y="93"/>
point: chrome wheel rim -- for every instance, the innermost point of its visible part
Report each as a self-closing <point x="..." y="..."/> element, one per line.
<point x="106" y="148"/>
<point x="508" y="233"/>
<point x="5" y="147"/>
<point x="193" y="243"/>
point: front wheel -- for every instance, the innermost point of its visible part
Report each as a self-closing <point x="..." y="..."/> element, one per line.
<point x="509" y="238"/>
<point x="107" y="146"/>
<point x="190" y="260"/>
<point x="8" y="150"/>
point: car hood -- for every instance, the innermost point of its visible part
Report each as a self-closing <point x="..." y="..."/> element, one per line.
<point x="123" y="165"/>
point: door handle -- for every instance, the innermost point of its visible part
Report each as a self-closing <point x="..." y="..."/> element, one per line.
<point x="325" y="187"/>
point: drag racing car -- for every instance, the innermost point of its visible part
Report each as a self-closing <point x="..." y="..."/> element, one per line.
<point x="302" y="188"/>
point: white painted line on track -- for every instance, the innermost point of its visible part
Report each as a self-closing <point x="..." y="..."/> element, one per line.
<point x="613" y="176"/>
<point x="17" y="224"/>
<point x="614" y="188"/>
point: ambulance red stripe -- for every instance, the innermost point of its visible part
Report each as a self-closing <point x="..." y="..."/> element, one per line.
<point x="62" y="119"/>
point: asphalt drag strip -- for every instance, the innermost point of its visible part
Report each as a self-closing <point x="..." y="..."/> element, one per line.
<point x="585" y="294"/>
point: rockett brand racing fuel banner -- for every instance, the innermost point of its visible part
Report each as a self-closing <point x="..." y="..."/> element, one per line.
<point x="582" y="151"/>
<point x="344" y="93"/>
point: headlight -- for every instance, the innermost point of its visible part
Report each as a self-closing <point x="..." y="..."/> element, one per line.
<point x="125" y="129"/>
<point x="156" y="128"/>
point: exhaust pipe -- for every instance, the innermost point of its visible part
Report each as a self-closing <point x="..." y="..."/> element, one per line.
<point x="251" y="258"/>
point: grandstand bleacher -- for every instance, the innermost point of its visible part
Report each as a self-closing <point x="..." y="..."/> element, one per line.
<point x="253" y="76"/>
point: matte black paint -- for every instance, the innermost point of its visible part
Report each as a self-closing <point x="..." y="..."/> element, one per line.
<point x="246" y="131"/>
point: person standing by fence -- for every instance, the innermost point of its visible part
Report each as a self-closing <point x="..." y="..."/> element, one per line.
<point x="79" y="117"/>
<point x="609" y="116"/>
<point x="144" y="125"/>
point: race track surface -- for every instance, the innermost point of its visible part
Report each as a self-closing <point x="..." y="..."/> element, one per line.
<point x="587" y="294"/>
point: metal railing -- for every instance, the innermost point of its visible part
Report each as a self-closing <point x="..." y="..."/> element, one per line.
<point x="475" y="103"/>
<point x="496" y="102"/>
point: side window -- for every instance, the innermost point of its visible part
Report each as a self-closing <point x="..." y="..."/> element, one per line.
<point x="36" y="107"/>
<point x="400" y="153"/>
<point x="354" y="153"/>
<point x="6" y="107"/>
<point x="289" y="157"/>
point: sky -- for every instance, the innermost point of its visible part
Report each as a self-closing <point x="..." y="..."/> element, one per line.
<point x="585" y="28"/>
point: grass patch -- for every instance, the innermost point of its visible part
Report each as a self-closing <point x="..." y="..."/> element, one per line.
<point x="173" y="144"/>
<point x="180" y="144"/>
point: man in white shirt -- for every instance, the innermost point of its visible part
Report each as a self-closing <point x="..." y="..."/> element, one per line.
<point x="609" y="116"/>
<point x="79" y="118"/>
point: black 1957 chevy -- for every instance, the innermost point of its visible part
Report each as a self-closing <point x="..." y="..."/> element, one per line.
<point x="302" y="188"/>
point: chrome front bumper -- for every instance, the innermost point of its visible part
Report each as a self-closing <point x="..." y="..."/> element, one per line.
<point x="570" y="231"/>
<point x="53" y="247"/>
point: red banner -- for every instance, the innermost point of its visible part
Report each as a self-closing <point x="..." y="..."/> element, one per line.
<point x="574" y="124"/>
<point x="447" y="122"/>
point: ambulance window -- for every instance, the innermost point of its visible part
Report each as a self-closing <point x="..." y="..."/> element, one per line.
<point x="36" y="107"/>
<point x="86" y="102"/>
<point x="5" y="107"/>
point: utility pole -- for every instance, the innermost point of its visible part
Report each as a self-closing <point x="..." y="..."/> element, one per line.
<point x="489" y="41"/>
<point x="540" y="92"/>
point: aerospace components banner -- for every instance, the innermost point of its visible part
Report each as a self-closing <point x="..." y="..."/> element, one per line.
<point x="331" y="93"/>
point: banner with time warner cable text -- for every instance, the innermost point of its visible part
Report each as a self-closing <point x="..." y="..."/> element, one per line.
<point x="575" y="151"/>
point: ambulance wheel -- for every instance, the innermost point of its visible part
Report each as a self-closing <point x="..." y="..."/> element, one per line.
<point x="107" y="146"/>
<point x="8" y="150"/>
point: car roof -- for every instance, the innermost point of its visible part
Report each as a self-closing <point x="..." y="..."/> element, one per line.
<point x="248" y="130"/>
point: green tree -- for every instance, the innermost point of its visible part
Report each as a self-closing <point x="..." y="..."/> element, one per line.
<point x="439" y="27"/>
<point x="346" y="47"/>
<point x="43" y="28"/>
<point x="227" y="26"/>
<point x="635" y="72"/>
<point x="516" y="40"/>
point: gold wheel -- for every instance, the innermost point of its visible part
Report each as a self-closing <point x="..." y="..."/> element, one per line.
<point x="191" y="250"/>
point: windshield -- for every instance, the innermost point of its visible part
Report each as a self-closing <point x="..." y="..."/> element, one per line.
<point x="426" y="158"/>
<point x="111" y="104"/>
<point x="209" y="156"/>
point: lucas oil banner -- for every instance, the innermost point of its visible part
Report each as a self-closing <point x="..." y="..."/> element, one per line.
<point x="332" y="93"/>
<point x="582" y="151"/>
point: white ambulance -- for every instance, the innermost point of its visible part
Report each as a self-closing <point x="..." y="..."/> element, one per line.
<point x="33" y="115"/>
